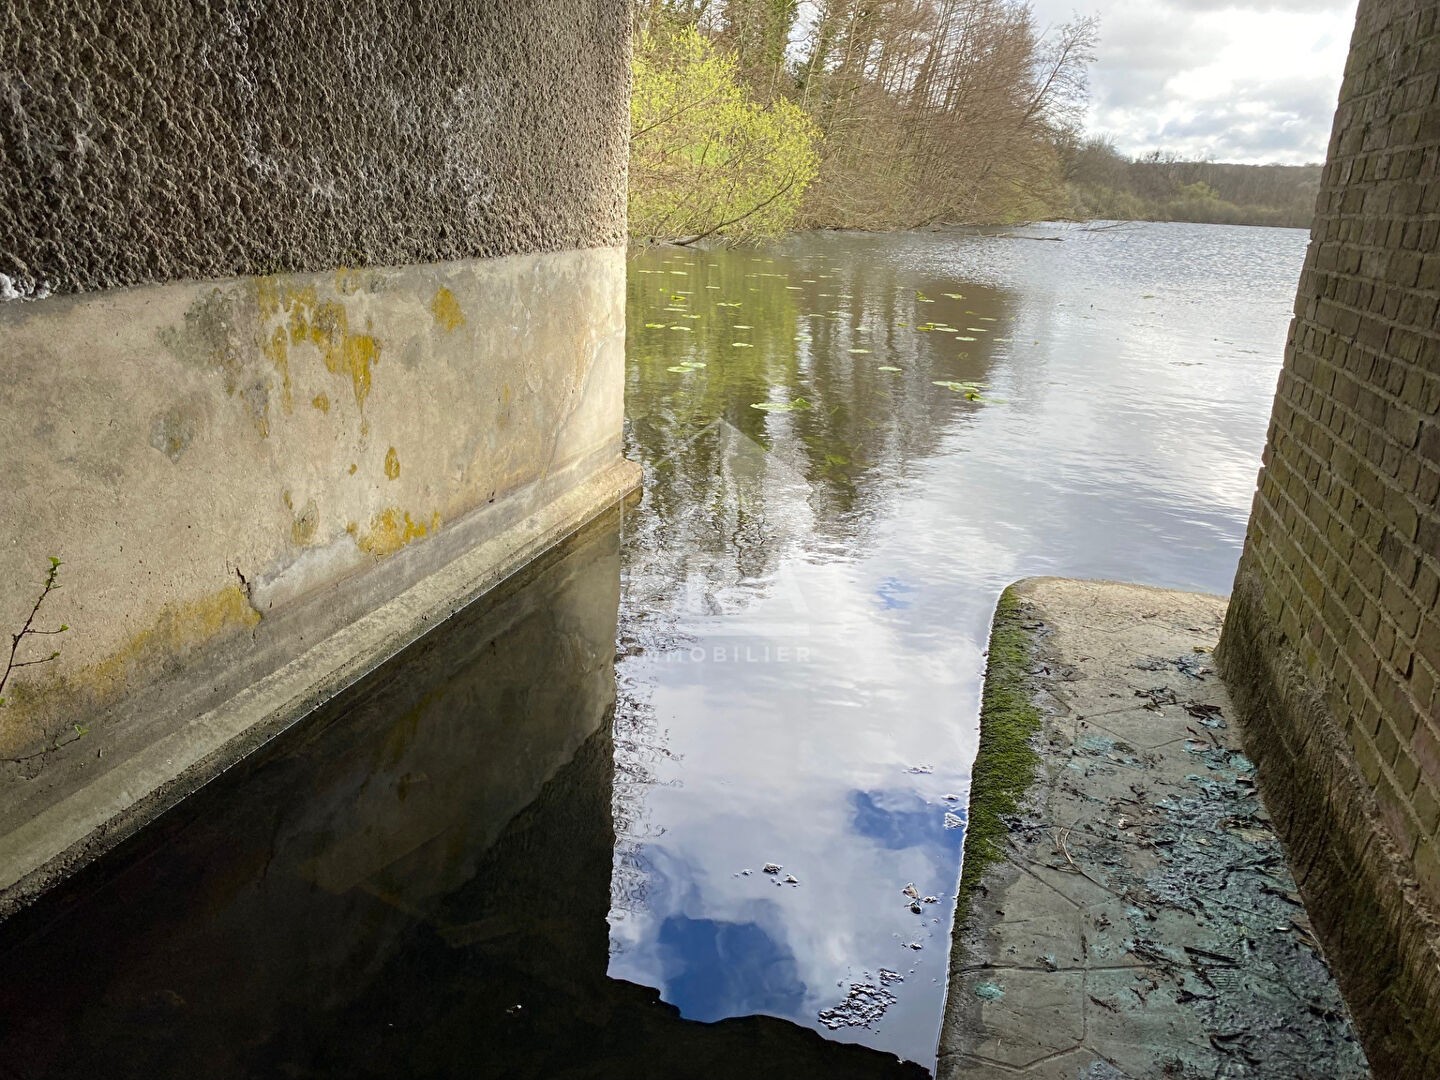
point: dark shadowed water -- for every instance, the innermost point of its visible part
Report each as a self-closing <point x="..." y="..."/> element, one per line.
<point x="808" y="589"/>
<point x="484" y="862"/>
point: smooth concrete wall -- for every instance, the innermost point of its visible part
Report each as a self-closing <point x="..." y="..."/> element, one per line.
<point x="1332" y="643"/>
<point x="224" y="450"/>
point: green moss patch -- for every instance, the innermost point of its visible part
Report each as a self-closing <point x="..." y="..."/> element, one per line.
<point x="1005" y="763"/>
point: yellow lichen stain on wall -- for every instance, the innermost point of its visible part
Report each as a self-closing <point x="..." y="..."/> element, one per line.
<point x="267" y="296"/>
<point x="355" y="356"/>
<point x="326" y="326"/>
<point x="349" y="280"/>
<point x="177" y="631"/>
<point x="321" y="402"/>
<point x="390" y="530"/>
<point x="392" y="464"/>
<point x="277" y="349"/>
<point x="446" y="310"/>
<point x="302" y="529"/>
<point x="353" y="467"/>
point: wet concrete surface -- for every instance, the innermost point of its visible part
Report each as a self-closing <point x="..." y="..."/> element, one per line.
<point x="1144" y="922"/>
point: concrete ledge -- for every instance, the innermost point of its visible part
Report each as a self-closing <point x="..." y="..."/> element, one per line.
<point x="87" y="814"/>
<point x="1136" y="917"/>
<point x="1381" y="933"/>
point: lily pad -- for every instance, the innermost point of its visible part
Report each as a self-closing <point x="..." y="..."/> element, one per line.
<point x="859" y="350"/>
<point x="741" y="345"/>
<point x="798" y="405"/>
<point x="954" y="296"/>
<point x="687" y="329"/>
<point x="970" y="391"/>
<point x="887" y="367"/>
<point x="655" y="326"/>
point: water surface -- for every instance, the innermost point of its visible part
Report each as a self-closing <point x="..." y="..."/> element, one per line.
<point x="520" y="848"/>
<point x="808" y="586"/>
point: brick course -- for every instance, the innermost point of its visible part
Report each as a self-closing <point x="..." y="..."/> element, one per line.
<point x="1333" y="639"/>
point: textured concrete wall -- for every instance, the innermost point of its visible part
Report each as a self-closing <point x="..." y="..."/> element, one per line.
<point x="1333" y="637"/>
<point x="151" y="140"/>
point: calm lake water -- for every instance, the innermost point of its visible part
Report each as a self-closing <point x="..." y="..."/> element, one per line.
<point x="808" y="589"/>
<point x="520" y="849"/>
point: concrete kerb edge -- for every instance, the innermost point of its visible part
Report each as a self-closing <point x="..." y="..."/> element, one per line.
<point x="1003" y="679"/>
<point x="81" y="827"/>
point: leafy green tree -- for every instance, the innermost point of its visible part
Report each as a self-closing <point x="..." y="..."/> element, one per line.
<point x="705" y="158"/>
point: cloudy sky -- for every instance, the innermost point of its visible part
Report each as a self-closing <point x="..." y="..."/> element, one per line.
<point x="1229" y="80"/>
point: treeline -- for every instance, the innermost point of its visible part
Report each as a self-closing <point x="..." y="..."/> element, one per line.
<point x="749" y="117"/>
<point x="1159" y="187"/>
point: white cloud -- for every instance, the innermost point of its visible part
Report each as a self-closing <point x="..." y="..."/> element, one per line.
<point x="1217" y="79"/>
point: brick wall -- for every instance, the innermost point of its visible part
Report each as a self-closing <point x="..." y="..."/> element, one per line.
<point x="1333" y="639"/>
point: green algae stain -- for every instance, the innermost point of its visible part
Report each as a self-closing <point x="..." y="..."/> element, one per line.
<point x="1005" y="763"/>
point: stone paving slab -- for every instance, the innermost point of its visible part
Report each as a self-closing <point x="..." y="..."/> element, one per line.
<point x="1143" y="922"/>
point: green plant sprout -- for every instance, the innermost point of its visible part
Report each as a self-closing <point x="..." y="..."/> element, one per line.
<point x="13" y="664"/>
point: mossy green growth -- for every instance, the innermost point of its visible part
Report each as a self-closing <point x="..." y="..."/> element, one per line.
<point x="1005" y="762"/>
